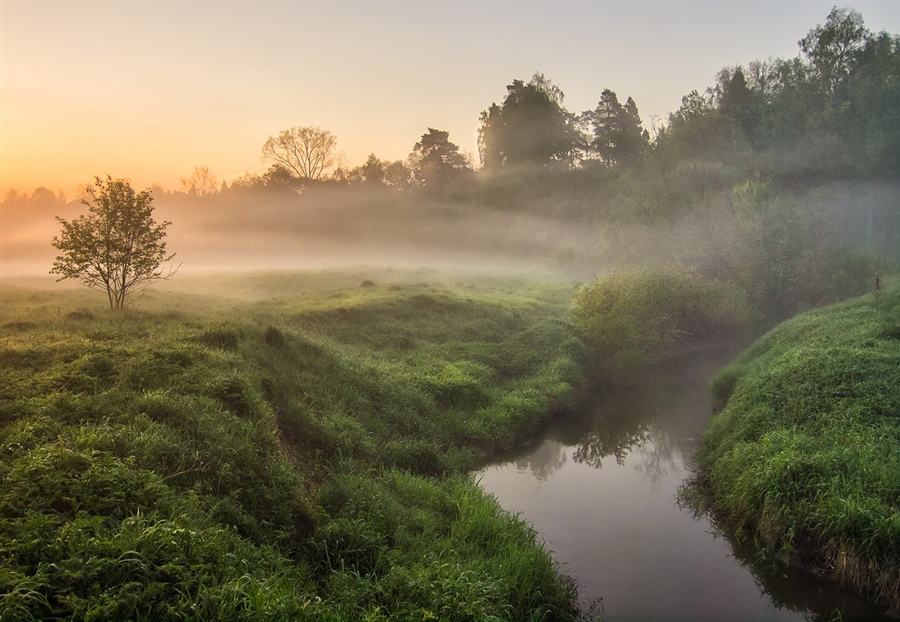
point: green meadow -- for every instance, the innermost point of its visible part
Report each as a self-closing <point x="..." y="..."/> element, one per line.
<point x="290" y="446"/>
<point x="297" y="448"/>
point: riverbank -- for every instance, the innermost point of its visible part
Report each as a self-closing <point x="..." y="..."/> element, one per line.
<point x="296" y="450"/>
<point x="804" y="456"/>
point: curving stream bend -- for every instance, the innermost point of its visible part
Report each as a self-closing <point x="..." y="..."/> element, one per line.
<point x="602" y="491"/>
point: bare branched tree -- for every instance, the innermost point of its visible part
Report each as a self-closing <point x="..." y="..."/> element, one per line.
<point x="307" y="152"/>
<point x="117" y="246"/>
<point x="201" y="183"/>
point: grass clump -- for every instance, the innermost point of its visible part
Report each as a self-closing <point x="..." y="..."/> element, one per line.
<point x="805" y="455"/>
<point x="632" y="320"/>
<point x="288" y="459"/>
<point x="460" y="560"/>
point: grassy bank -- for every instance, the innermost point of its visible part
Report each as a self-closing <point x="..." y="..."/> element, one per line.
<point x="804" y="456"/>
<point x="287" y="458"/>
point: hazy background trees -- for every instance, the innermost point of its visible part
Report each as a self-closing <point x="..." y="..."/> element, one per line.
<point x="781" y="176"/>
<point x="377" y="173"/>
<point x="201" y="183"/>
<point x="437" y="161"/>
<point x="306" y="152"/>
<point x="618" y="137"/>
<point x="41" y="198"/>
<point x="530" y="127"/>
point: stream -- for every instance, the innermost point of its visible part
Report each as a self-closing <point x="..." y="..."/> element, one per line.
<point x="601" y="489"/>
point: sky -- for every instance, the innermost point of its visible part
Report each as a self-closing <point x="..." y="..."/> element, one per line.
<point x="149" y="90"/>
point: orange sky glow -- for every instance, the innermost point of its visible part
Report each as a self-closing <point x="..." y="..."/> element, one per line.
<point x="148" y="91"/>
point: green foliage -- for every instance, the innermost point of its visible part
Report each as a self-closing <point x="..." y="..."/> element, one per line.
<point x="286" y="460"/>
<point x="804" y="454"/>
<point x="631" y="320"/>
<point x="580" y="194"/>
<point x="706" y="135"/>
<point x="790" y="255"/>
<point x="530" y="128"/>
<point x="618" y="137"/>
<point x="117" y="247"/>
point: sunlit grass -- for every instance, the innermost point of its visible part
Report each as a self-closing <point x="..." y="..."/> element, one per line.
<point x="297" y="457"/>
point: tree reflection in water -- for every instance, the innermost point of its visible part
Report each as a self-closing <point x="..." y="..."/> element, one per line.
<point x="651" y="426"/>
<point x="657" y="416"/>
<point x="790" y="587"/>
<point x="544" y="460"/>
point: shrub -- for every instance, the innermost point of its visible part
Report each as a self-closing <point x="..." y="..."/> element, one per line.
<point x="274" y="337"/>
<point x="631" y="320"/>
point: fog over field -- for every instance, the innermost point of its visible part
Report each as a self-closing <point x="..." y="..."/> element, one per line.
<point x="346" y="227"/>
<point x="278" y="280"/>
<point x="559" y="162"/>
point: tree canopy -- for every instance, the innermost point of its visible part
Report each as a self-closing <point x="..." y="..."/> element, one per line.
<point x="117" y="246"/>
<point x="832" y="48"/>
<point x="618" y="137"/>
<point x="530" y="127"/>
<point x="437" y="160"/>
<point x="306" y="152"/>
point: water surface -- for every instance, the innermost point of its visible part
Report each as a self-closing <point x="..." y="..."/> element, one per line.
<point x="602" y="491"/>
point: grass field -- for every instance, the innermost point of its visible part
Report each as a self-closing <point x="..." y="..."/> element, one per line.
<point x="804" y="457"/>
<point x="277" y="446"/>
<point x="289" y="446"/>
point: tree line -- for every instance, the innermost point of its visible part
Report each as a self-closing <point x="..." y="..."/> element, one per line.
<point x="739" y="162"/>
<point x="831" y="111"/>
<point x="531" y="127"/>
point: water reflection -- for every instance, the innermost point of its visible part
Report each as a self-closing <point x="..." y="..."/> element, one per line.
<point x="795" y="589"/>
<point x="658" y="419"/>
<point x="617" y="427"/>
<point x="602" y="488"/>
<point x="544" y="460"/>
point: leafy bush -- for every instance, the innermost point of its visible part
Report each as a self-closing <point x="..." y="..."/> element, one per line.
<point x="792" y="254"/>
<point x="631" y="320"/>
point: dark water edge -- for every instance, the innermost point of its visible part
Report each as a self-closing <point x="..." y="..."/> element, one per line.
<point x="602" y="489"/>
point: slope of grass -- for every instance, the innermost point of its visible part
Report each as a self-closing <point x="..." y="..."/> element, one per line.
<point x="295" y="458"/>
<point x="805" y="455"/>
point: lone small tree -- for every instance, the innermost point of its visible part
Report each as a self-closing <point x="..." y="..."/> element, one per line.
<point x="117" y="245"/>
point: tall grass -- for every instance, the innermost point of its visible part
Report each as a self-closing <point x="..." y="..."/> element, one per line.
<point x="288" y="459"/>
<point x="805" y="455"/>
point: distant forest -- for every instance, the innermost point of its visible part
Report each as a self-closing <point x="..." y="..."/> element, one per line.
<point x="831" y="112"/>
<point x="782" y="177"/>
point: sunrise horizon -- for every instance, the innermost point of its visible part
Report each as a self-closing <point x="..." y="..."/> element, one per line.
<point x="149" y="92"/>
